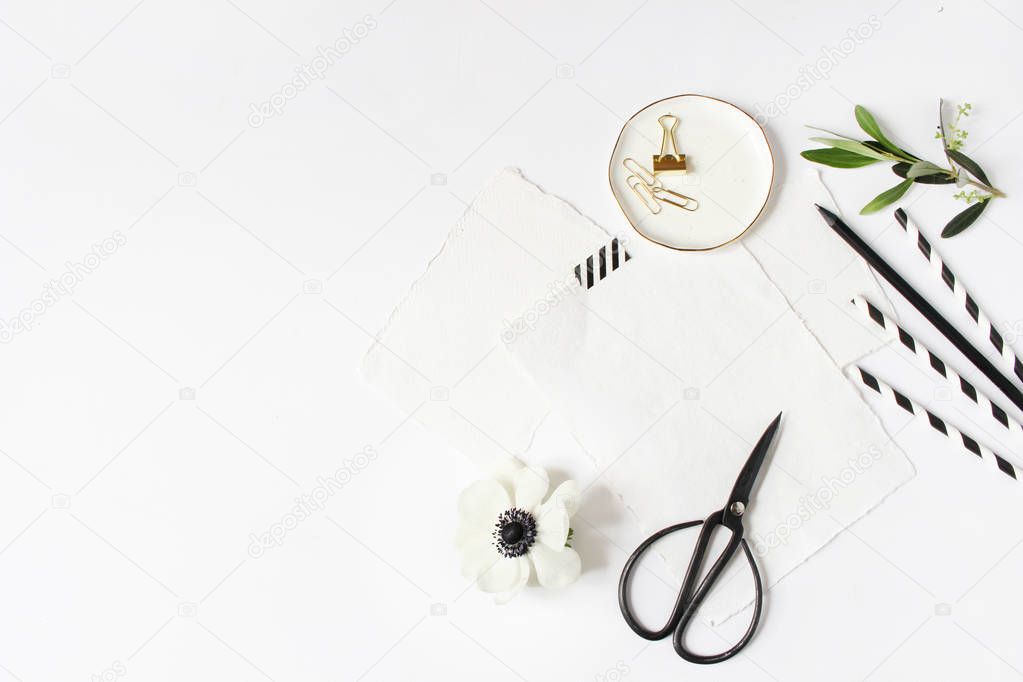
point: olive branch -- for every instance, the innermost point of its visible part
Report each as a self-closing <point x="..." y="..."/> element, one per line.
<point x="842" y="151"/>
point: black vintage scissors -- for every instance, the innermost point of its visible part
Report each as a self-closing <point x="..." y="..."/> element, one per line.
<point x="691" y="595"/>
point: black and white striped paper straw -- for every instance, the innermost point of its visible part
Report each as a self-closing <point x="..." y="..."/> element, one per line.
<point x="962" y="296"/>
<point x="991" y="458"/>
<point x="597" y="266"/>
<point x="929" y="361"/>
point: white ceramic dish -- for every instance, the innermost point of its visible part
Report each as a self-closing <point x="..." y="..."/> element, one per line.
<point x="729" y="172"/>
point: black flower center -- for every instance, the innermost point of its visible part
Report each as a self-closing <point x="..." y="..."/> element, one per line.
<point x="514" y="532"/>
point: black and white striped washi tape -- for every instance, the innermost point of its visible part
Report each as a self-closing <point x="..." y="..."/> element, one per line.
<point x="597" y="266"/>
<point x="940" y="425"/>
<point x="928" y="360"/>
<point x="962" y="296"/>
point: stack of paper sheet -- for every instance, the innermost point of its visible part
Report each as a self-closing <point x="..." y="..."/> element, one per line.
<point x="666" y="370"/>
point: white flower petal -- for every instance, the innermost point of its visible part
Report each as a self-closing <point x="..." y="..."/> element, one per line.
<point x="530" y="487"/>
<point x="482" y="502"/>
<point x="477" y="556"/>
<point x="565" y="496"/>
<point x="505" y="470"/>
<point x="555" y="569"/>
<point x="503" y="575"/>
<point x="506" y="597"/>
<point x="552" y="526"/>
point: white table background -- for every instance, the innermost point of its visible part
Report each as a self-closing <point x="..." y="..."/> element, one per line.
<point x="205" y="372"/>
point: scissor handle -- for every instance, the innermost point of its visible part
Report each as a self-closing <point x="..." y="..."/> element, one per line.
<point x="691" y="595"/>
<point x="626" y="579"/>
<point x="678" y="640"/>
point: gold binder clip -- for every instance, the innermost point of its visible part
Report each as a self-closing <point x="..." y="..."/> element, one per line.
<point x="669" y="162"/>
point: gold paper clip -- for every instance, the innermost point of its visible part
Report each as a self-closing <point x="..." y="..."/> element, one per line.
<point x="665" y="162"/>
<point x="651" y="191"/>
<point x="659" y="193"/>
<point x="637" y="169"/>
<point x="644" y="192"/>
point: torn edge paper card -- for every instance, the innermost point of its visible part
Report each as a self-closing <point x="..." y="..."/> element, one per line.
<point x="508" y="261"/>
<point x="668" y="372"/>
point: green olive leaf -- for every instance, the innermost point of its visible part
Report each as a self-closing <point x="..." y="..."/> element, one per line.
<point x="921" y="168"/>
<point x="964" y="219"/>
<point x="854" y="147"/>
<point x="902" y="170"/>
<point x="869" y="125"/>
<point x="837" y="158"/>
<point x="889" y="196"/>
<point x="970" y="165"/>
<point x="903" y="154"/>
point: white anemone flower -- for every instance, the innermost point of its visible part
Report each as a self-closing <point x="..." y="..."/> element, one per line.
<point x="507" y="531"/>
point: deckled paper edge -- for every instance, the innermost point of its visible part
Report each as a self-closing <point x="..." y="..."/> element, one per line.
<point x="469" y="209"/>
<point x="377" y="346"/>
<point x="416" y="283"/>
<point x="365" y="366"/>
<point x="813" y="179"/>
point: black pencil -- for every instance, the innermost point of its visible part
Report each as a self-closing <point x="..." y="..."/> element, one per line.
<point x="920" y="303"/>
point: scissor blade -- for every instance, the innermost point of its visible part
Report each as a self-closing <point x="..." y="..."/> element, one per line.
<point x="748" y="476"/>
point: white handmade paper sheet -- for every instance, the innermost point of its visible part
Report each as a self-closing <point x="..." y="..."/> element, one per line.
<point x="667" y="372"/>
<point x="440" y="354"/>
